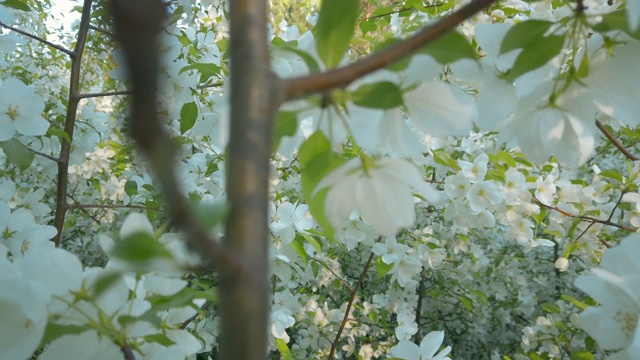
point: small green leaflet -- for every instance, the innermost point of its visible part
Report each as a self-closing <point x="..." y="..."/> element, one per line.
<point x="308" y="59"/>
<point x="382" y="268"/>
<point x="284" y="349"/>
<point x="138" y="248"/>
<point x="159" y="339"/>
<point x="188" y="116"/>
<point x="16" y="4"/>
<point x="131" y="188"/>
<point x="54" y="331"/>
<point x="537" y="49"/>
<point x="524" y="34"/>
<point x="335" y="27"/>
<point x="381" y="95"/>
<point x="316" y="144"/>
<point x="206" y="70"/>
<point x="317" y="161"/>
<point x="440" y="156"/>
<point x="286" y="125"/>
<point x="17" y="153"/>
<point x="58" y="132"/>
<point x="536" y="55"/>
<point x="582" y="355"/>
<point x="450" y="47"/>
<point x="616" y="20"/>
<point x="211" y="215"/>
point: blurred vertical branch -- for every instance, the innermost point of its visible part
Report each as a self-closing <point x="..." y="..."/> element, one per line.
<point x="242" y="263"/>
<point x="137" y="26"/>
<point x="255" y="99"/>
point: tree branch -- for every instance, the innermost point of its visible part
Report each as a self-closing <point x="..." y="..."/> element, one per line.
<point x="334" y="345"/>
<point x="47" y="156"/>
<point x="314" y="83"/>
<point x="109" y="206"/>
<point x="113" y="93"/>
<point x="137" y="24"/>
<point x="421" y="289"/>
<point x="615" y="142"/>
<point x="70" y="121"/>
<point x="39" y="39"/>
<point x="586" y="218"/>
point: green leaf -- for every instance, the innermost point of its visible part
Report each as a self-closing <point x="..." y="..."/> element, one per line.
<point x="311" y="62"/>
<point x="449" y="48"/>
<point x="16" y="4"/>
<point x="313" y="172"/>
<point x="57" y="132"/>
<point x="614" y="175"/>
<point x="188" y="116"/>
<point x="131" y="188"/>
<point x="104" y="282"/>
<point x="536" y="55"/>
<point x="506" y="157"/>
<point x="206" y="70"/>
<point x="467" y="302"/>
<point x="583" y="69"/>
<point x="315" y="266"/>
<point x="524" y="35"/>
<point x="616" y="20"/>
<point x="579" y="304"/>
<point x="441" y="157"/>
<point x="316" y="144"/>
<point x="54" y="331"/>
<point x="382" y="268"/>
<point x="551" y="308"/>
<point x="183" y="298"/>
<point x="139" y="247"/>
<point x="311" y="240"/>
<point x="298" y="245"/>
<point x="335" y="27"/>
<point x="582" y="355"/>
<point x="211" y="215"/>
<point x="381" y="95"/>
<point x="159" y="339"/>
<point x="17" y="153"/>
<point x="284" y="349"/>
<point x="286" y="125"/>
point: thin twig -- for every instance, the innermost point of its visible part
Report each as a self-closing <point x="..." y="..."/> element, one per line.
<point x="109" y="206"/>
<point x="615" y="142"/>
<point x="204" y="306"/>
<point x="421" y="288"/>
<point x="206" y="86"/>
<point x="397" y="11"/>
<point x="336" y="275"/>
<point x="44" y="155"/>
<point x="70" y="121"/>
<point x="39" y="39"/>
<point x="101" y="30"/>
<point x="586" y="218"/>
<point x="334" y="345"/>
<point x="341" y="77"/>
<point x="104" y="94"/>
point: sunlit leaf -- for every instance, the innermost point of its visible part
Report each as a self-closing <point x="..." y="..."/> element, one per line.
<point x="335" y="27"/>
